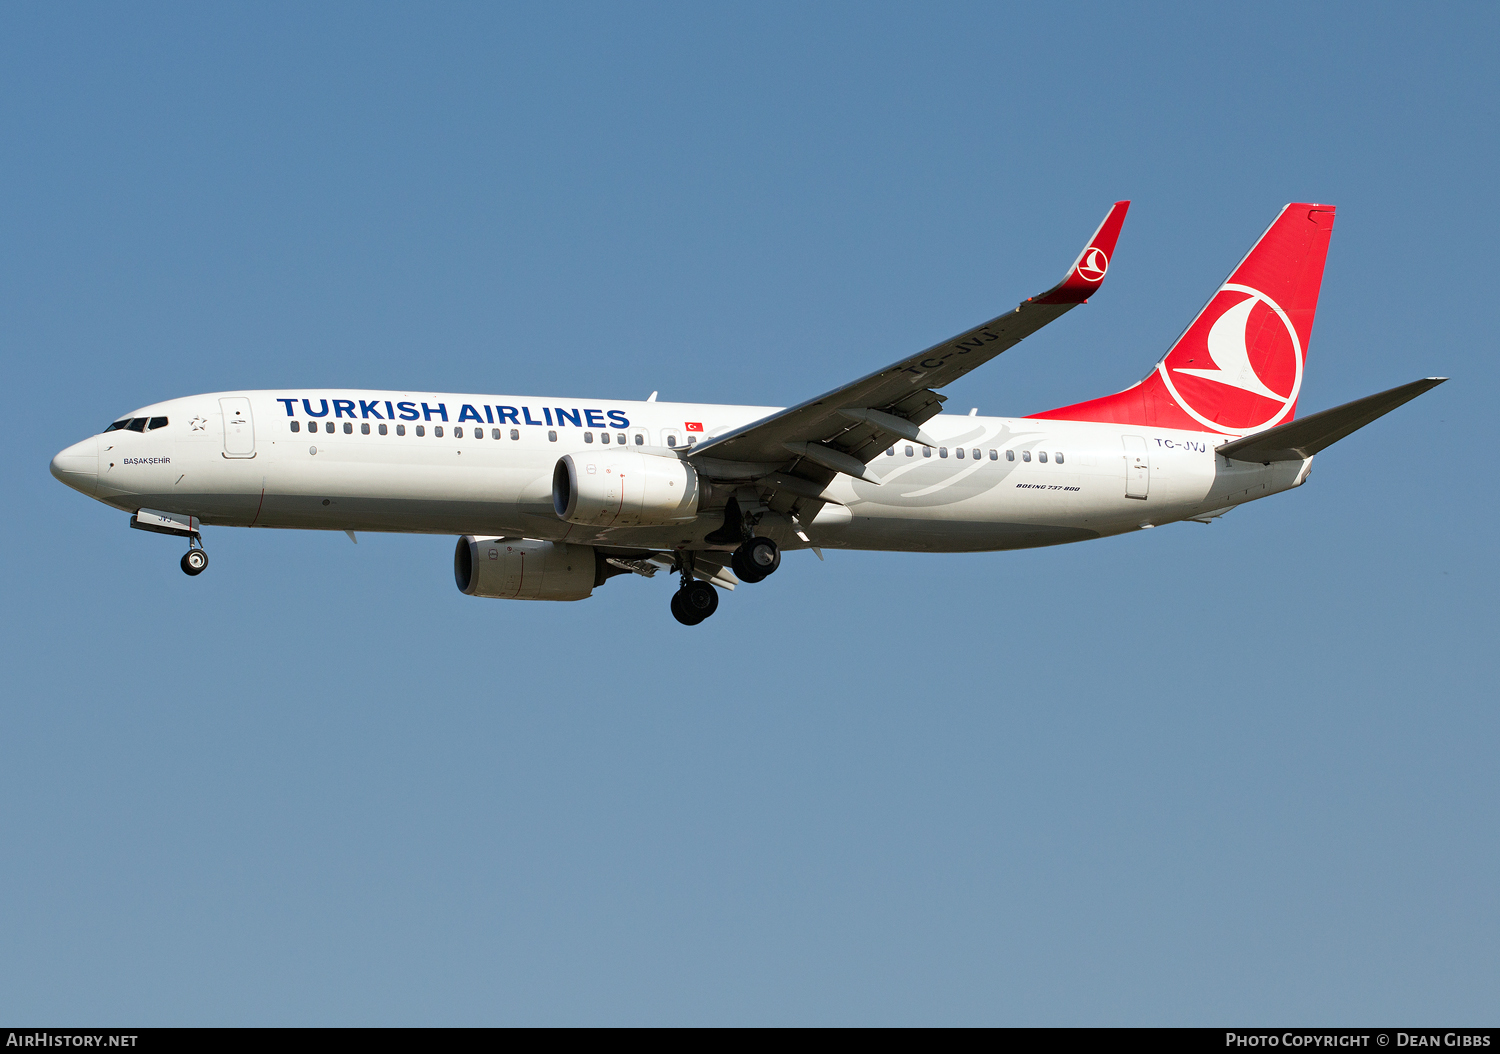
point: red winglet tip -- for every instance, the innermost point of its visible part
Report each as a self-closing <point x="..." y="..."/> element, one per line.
<point x="1087" y="273"/>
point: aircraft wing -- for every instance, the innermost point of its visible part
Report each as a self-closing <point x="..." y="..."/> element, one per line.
<point x="1306" y="436"/>
<point x="843" y="430"/>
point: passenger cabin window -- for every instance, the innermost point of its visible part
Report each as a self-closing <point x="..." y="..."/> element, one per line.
<point x="551" y="437"/>
<point x="296" y="426"/>
<point x="437" y="430"/>
<point x="400" y="430"/>
<point x="458" y="433"/>
<point x="348" y="428"/>
<point x="994" y="454"/>
<point x="640" y="439"/>
<point x="156" y="422"/>
<point x="421" y="430"/>
<point x="1058" y="457"/>
<point x="1025" y="455"/>
<point x="942" y="451"/>
<point x="910" y="452"/>
<point x="1010" y="455"/>
<point x="692" y="440"/>
<point x="494" y="433"/>
<point x="515" y="433"/>
<point x="959" y="453"/>
<point x="671" y="440"/>
<point x="976" y="453"/>
<point x="890" y="452"/>
<point x="927" y="451"/>
<point x="364" y="428"/>
<point x="382" y="429"/>
<point x="588" y="437"/>
<point x="1041" y="455"/>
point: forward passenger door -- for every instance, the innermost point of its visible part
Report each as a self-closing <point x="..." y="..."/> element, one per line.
<point x="239" y="427"/>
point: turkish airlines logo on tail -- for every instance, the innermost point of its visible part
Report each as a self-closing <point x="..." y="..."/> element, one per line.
<point x="1238" y="368"/>
<point x="1231" y="355"/>
<point x="1093" y="265"/>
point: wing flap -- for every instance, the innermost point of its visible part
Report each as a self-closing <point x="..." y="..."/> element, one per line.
<point x="708" y="566"/>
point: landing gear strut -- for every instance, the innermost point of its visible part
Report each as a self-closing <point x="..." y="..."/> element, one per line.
<point x="694" y="601"/>
<point x="756" y="559"/>
<point x="195" y="560"/>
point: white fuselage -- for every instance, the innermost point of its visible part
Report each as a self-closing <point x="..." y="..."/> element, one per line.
<point x="483" y="465"/>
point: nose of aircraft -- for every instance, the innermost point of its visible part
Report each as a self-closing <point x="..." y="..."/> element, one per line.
<point x="78" y="466"/>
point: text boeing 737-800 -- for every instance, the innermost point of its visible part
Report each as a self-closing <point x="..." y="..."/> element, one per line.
<point x="553" y="496"/>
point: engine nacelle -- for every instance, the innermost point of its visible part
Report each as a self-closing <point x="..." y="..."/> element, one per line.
<point x="624" y="488"/>
<point x="522" y="569"/>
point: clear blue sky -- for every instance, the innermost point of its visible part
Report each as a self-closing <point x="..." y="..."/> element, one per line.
<point x="1239" y="773"/>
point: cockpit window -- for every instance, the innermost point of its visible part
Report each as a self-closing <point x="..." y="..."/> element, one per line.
<point x="118" y="425"/>
<point x="157" y="422"/>
<point x="136" y="424"/>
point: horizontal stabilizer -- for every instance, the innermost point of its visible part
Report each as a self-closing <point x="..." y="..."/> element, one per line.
<point x="1304" y="438"/>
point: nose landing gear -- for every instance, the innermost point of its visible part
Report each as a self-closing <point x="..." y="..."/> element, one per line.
<point x="195" y="560"/>
<point x="179" y="525"/>
<point x="756" y="560"/>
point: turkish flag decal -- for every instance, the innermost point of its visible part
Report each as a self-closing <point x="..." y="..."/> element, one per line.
<point x="693" y="426"/>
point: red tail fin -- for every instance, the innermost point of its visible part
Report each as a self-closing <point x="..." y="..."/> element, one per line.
<point x="1238" y="368"/>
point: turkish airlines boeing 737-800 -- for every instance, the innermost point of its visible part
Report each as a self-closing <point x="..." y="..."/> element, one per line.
<point x="554" y="496"/>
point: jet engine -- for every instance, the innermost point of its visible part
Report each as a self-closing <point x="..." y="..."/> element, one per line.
<point x="522" y="569"/>
<point x="624" y="488"/>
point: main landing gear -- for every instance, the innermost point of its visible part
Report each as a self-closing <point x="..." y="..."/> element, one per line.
<point x="195" y="560"/>
<point x="756" y="560"/>
<point x="694" y="602"/>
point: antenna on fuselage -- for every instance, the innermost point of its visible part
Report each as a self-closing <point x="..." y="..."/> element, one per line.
<point x="651" y="398"/>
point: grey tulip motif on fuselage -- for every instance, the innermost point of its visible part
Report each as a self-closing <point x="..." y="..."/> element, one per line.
<point x="925" y="482"/>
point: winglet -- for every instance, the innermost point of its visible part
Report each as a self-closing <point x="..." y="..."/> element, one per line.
<point x="1087" y="273"/>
